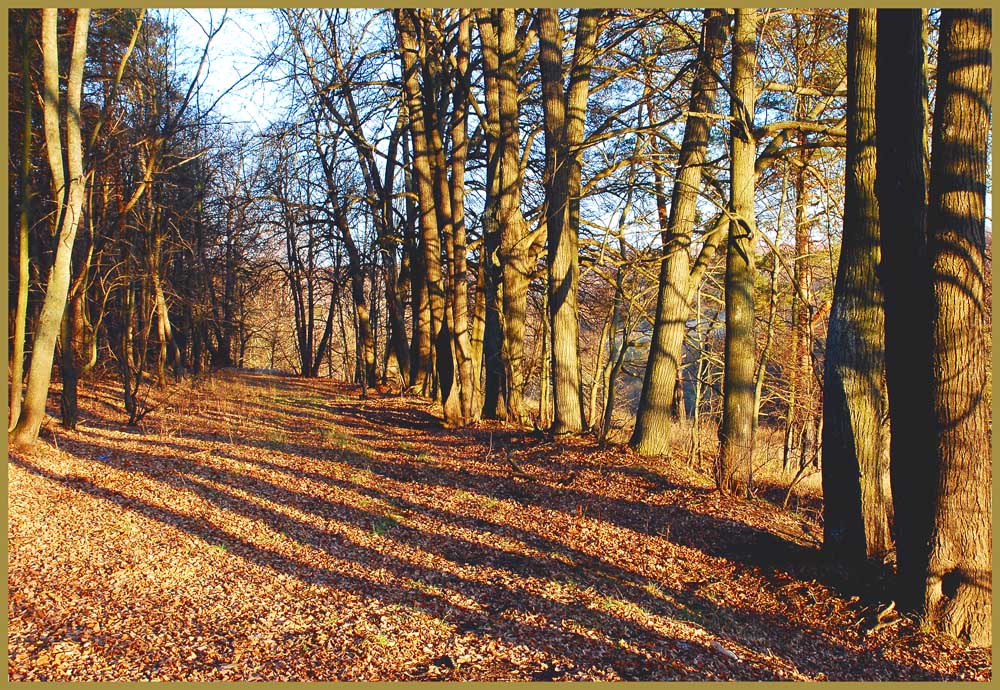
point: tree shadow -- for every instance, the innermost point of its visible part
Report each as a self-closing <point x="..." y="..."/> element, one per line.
<point x="492" y="602"/>
<point x="770" y="633"/>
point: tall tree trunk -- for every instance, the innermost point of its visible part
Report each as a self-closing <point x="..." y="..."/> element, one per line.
<point x="734" y="466"/>
<point x="420" y="315"/>
<point x="422" y="170"/>
<point x="71" y="186"/>
<point x="510" y="259"/>
<point x="459" y="286"/>
<point x="24" y="193"/>
<point x="516" y="255"/>
<point x="479" y="332"/>
<point x="494" y="404"/>
<point x="801" y="404"/>
<point x="959" y="581"/>
<point x="900" y="186"/>
<point x="855" y="433"/>
<point x="564" y="114"/>
<point x="433" y="91"/>
<point x="652" y="426"/>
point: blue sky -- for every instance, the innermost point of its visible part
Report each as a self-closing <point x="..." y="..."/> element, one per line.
<point x="234" y="52"/>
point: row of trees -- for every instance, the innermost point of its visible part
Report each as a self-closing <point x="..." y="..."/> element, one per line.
<point x="131" y="245"/>
<point x="501" y="206"/>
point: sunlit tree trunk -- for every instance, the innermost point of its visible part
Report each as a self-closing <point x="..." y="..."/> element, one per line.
<point x="421" y="363"/>
<point x="459" y="287"/>
<point x="422" y="172"/>
<point x="959" y="582"/>
<point x="509" y="254"/>
<point x="653" y="418"/>
<point x="564" y="115"/>
<point x="734" y="465"/>
<point x="69" y="186"/>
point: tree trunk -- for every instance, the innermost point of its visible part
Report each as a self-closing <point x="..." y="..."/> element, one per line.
<point x="79" y="353"/>
<point x="900" y="188"/>
<point x="71" y="186"/>
<point x="494" y="383"/>
<point x="801" y="403"/>
<point x="479" y="332"/>
<point x="734" y="466"/>
<point x="545" y="375"/>
<point x="509" y="256"/>
<point x="168" y="352"/>
<point x="422" y="171"/>
<point x="366" y="342"/>
<point x="23" y="276"/>
<point x="420" y="341"/>
<point x="959" y="581"/>
<point x="564" y="113"/>
<point x="459" y="286"/>
<point x="652" y="426"/>
<point x="855" y="433"/>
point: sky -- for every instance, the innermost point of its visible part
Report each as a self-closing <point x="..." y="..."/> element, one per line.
<point x="233" y="54"/>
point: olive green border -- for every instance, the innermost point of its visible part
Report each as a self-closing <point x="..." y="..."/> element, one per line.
<point x="4" y="238"/>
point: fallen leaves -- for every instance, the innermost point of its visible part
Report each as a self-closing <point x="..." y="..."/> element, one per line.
<point x="278" y="530"/>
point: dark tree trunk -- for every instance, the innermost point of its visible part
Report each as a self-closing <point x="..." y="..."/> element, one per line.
<point x="855" y="433"/>
<point x="900" y="186"/>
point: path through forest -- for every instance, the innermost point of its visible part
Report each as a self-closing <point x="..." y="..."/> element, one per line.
<point x="265" y="527"/>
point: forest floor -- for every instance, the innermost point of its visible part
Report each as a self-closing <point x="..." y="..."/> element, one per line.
<point x="259" y="527"/>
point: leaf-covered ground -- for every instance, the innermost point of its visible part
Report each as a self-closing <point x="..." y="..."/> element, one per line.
<point x="269" y="528"/>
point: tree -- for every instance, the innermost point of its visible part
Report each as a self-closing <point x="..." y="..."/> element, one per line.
<point x="900" y="186"/>
<point x="958" y="588"/>
<point x="69" y="186"/>
<point x="23" y="223"/>
<point x="734" y="466"/>
<point x="508" y="257"/>
<point x="855" y="433"/>
<point x="564" y="115"/>
<point x="653" y="419"/>
<point x="425" y="84"/>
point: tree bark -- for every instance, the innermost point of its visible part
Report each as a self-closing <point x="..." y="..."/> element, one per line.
<point x="801" y="405"/>
<point x="510" y="255"/>
<point x="653" y="420"/>
<point x="422" y="171"/>
<point x="900" y="186"/>
<point x="421" y="366"/>
<point x="72" y="187"/>
<point x="494" y="382"/>
<point x="734" y="466"/>
<point x="564" y="114"/>
<point x="23" y="275"/>
<point x="959" y="581"/>
<point x="366" y="341"/>
<point x="459" y="286"/>
<point x="855" y="406"/>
